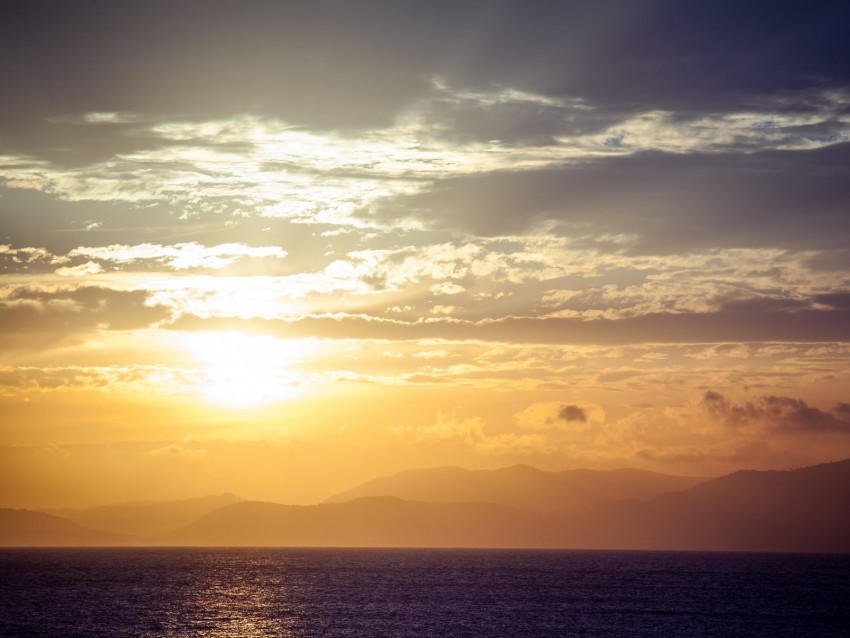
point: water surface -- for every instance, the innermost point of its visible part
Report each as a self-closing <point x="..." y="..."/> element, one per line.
<point x="393" y="592"/>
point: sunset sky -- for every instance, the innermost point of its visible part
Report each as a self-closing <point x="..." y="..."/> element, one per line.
<point x="280" y="248"/>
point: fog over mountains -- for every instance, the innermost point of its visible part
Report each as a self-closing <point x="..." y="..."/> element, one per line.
<point x="805" y="510"/>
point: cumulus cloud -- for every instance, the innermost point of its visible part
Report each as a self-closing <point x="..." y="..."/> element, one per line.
<point x="88" y="268"/>
<point x="447" y="288"/>
<point x="779" y="413"/>
<point x="569" y="413"/>
<point x="14" y="259"/>
<point x="574" y="416"/>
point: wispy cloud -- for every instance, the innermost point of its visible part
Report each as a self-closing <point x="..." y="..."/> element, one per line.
<point x="265" y="167"/>
<point x="178" y="256"/>
<point x="176" y="451"/>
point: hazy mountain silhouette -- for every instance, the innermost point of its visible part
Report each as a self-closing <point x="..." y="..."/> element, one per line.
<point x="145" y="518"/>
<point x="26" y="528"/>
<point x="370" y="522"/>
<point x="805" y="510"/>
<point x="797" y="510"/>
<point x="520" y="486"/>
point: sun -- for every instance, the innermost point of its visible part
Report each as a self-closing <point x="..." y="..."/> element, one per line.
<point x="244" y="370"/>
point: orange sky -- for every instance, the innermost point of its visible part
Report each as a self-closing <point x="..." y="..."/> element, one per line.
<point x="306" y="258"/>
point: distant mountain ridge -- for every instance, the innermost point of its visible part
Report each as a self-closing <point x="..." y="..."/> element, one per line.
<point x="807" y="509"/>
<point x="521" y="486"/>
<point x="145" y="518"/>
<point x="369" y="522"/>
<point x="801" y="510"/>
<point x="26" y="528"/>
<point x="804" y="510"/>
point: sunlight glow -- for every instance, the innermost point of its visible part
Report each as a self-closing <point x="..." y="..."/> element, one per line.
<point x="245" y="371"/>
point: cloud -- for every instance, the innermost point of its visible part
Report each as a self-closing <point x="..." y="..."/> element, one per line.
<point x="567" y="199"/>
<point x="20" y="380"/>
<point x="87" y="268"/>
<point x="415" y="172"/>
<point x="577" y="127"/>
<point x="545" y="277"/>
<point x="175" y="451"/>
<point x="836" y="300"/>
<point x="617" y="375"/>
<point x="571" y="417"/>
<point x="668" y="202"/>
<point x="28" y="310"/>
<point x="569" y="413"/>
<point x="24" y="259"/>
<point x="712" y="433"/>
<point x="445" y="429"/>
<point x="760" y="320"/>
<point x="447" y="288"/>
<point x="178" y="256"/>
<point x="377" y="57"/>
<point x="508" y="117"/>
<point x="777" y="413"/>
<point x="492" y="139"/>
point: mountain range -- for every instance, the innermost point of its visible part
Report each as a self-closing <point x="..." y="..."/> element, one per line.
<point x="521" y="486"/>
<point x="27" y="528"/>
<point x="803" y="510"/>
<point x="145" y="518"/>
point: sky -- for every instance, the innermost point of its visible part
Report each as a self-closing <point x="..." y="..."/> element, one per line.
<point x="281" y="248"/>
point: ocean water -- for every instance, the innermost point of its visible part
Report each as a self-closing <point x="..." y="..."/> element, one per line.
<point x="400" y="592"/>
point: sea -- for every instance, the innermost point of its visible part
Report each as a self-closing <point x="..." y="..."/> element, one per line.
<point x="246" y="592"/>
